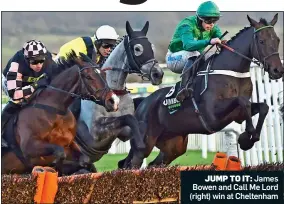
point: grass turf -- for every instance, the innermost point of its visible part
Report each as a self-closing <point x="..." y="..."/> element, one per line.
<point x="190" y="158"/>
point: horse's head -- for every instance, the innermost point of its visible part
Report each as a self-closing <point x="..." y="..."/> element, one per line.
<point x="140" y="54"/>
<point x="95" y="87"/>
<point x="266" y="45"/>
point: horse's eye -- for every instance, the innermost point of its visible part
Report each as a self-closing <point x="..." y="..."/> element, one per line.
<point x="138" y="49"/>
<point x="261" y="41"/>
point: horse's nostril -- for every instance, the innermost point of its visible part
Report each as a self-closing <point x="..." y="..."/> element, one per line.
<point x="111" y="101"/>
<point x="155" y="75"/>
<point x="275" y="70"/>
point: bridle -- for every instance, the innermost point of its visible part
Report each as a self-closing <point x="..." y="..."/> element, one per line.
<point x="256" y="45"/>
<point x="86" y="86"/>
<point x="133" y="66"/>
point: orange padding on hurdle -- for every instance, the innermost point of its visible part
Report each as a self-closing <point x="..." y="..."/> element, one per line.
<point x="225" y="163"/>
<point x="47" y="181"/>
<point x="221" y="161"/>
<point x="47" y="184"/>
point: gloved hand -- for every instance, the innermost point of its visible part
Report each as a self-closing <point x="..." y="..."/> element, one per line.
<point x="214" y="41"/>
<point x="42" y="82"/>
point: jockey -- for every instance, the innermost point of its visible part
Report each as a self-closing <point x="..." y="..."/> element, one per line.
<point x="192" y="35"/>
<point x="96" y="48"/>
<point x="26" y="71"/>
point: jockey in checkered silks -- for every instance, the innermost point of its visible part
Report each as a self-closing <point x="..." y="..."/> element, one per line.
<point x="29" y="69"/>
<point x="192" y="35"/>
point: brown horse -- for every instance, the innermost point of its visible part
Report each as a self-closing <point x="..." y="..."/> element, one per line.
<point x="165" y="123"/>
<point x="45" y="129"/>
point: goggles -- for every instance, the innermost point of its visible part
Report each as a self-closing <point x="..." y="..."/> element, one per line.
<point x="36" y="61"/>
<point x="209" y="20"/>
<point x="107" y="45"/>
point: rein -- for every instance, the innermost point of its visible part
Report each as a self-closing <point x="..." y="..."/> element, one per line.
<point x="202" y="55"/>
<point x="74" y="95"/>
<point x="240" y="54"/>
<point x="256" y="61"/>
<point x="81" y="96"/>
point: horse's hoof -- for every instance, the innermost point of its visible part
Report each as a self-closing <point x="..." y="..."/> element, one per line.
<point x="245" y="142"/>
<point x="255" y="138"/>
<point x="93" y="169"/>
<point x="120" y="164"/>
<point x="81" y="171"/>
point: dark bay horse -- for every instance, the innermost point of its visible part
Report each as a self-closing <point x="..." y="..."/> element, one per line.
<point x="97" y="128"/>
<point x="225" y="100"/>
<point x="46" y="128"/>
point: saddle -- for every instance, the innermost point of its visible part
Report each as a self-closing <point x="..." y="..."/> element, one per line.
<point x="199" y="85"/>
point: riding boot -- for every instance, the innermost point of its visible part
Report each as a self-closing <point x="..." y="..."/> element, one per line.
<point x="183" y="92"/>
<point x="9" y="110"/>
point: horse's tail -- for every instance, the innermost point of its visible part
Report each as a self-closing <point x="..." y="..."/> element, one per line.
<point x="137" y="101"/>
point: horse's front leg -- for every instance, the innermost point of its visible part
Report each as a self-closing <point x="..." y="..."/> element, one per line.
<point x="38" y="148"/>
<point x="262" y="109"/>
<point x="120" y="124"/>
<point x="216" y="110"/>
<point x="246" y="142"/>
<point x="226" y="106"/>
<point x="130" y="121"/>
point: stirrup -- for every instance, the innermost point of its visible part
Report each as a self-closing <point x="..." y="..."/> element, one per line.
<point x="190" y="90"/>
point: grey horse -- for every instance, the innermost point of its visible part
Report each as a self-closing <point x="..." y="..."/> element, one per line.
<point x="96" y="128"/>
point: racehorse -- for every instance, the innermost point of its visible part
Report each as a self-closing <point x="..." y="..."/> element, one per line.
<point x="45" y="128"/>
<point x="97" y="128"/>
<point x="166" y="123"/>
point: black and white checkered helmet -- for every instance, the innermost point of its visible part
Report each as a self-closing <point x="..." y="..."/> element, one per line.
<point x="34" y="48"/>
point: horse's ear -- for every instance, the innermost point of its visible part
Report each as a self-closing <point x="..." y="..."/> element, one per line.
<point x="274" y="20"/>
<point x="252" y="22"/>
<point x="145" y="28"/>
<point x="129" y="30"/>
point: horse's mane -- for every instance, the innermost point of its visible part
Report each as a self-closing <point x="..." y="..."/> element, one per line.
<point x="237" y="34"/>
<point x="116" y="44"/>
<point x="261" y="20"/>
<point x="70" y="60"/>
<point x="228" y="42"/>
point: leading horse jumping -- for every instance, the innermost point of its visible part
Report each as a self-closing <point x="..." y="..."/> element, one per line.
<point x="224" y="100"/>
